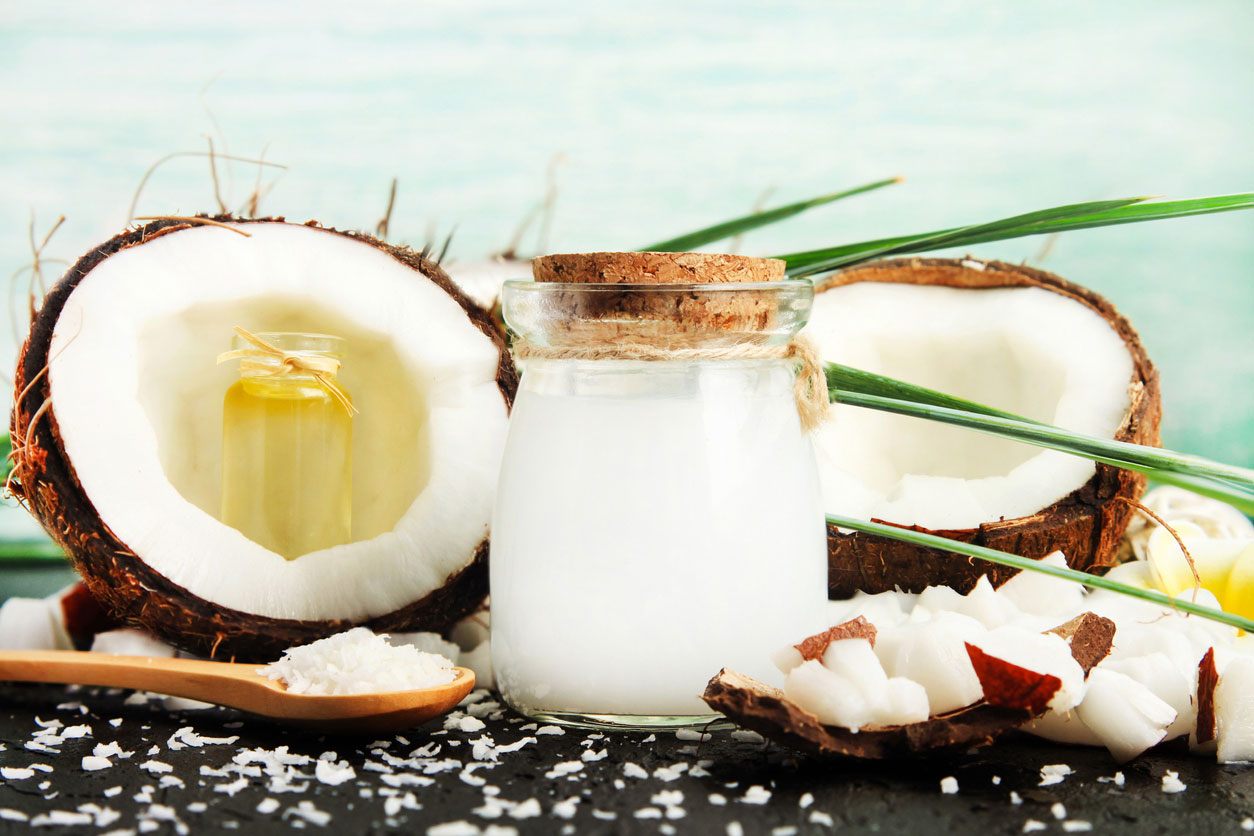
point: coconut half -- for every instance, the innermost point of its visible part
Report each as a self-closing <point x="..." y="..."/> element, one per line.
<point x="118" y="443"/>
<point x="1007" y="336"/>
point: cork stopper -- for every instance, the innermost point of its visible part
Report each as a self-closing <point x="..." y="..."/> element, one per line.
<point x="655" y="268"/>
<point x="667" y="315"/>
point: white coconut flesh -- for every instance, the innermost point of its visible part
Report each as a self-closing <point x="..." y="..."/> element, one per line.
<point x="1023" y="350"/>
<point x="137" y="396"/>
<point x="482" y="280"/>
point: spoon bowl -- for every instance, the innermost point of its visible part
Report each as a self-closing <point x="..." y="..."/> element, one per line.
<point x="240" y="686"/>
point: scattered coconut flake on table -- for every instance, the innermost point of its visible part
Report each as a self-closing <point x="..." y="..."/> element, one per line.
<point x="334" y="774"/>
<point x="634" y="770"/>
<point x="1172" y="782"/>
<point x="358" y="661"/>
<point x="1054" y="774"/>
<point x="91" y="763"/>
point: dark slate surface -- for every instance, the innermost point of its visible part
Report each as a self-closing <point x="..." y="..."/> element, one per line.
<point x="858" y="797"/>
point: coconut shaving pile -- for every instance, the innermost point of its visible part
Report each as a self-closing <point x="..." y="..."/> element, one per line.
<point x="358" y="662"/>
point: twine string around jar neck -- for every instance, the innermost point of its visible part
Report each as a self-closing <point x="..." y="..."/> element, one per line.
<point x="267" y="360"/>
<point x="810" y="388"/>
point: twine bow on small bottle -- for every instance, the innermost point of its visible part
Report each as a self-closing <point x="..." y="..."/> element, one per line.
<point x="267" y="360"/>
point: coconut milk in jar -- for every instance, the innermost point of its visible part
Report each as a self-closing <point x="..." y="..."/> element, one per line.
<point x="658" y="513"/>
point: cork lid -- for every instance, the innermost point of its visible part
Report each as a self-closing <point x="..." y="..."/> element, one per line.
<point x="673" y="299"/>
<point x="655" y="268"/>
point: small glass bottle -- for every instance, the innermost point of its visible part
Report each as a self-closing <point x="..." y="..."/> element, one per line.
<point x="287" y="442"/>
<point x="658" y="513"/>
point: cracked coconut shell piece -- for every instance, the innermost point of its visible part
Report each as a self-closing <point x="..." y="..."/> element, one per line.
<point x="1087" y="524"/>
<point x="1021" y="696"/>
<point x="118" y="574"/>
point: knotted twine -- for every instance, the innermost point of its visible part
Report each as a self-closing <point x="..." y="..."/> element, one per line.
<point x="810" y="388"/>
<point x="267" y="360"/>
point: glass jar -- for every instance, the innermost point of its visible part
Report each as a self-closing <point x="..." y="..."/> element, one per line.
<point x="287" y="445"/>
<point x="656" y="519"/>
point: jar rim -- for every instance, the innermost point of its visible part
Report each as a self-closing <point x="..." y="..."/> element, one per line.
<point x="712" y="288"/>
<point x="669" y="315"/>
<point x="298" y="342"/>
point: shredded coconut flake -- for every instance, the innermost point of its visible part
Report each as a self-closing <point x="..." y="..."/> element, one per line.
<point x="564" y="768"/>
<point x="358" y="662"/>
<point x="634" y="770"/>
<point x="306" y="811"/>
<point x="1054" y="773"/>
<point x="566" y="809"/>
<point x="1172" y="782"/>
<point x="334" y="773"/>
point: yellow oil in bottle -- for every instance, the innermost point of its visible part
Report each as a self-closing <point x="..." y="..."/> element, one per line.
<point x="286" y="459"/>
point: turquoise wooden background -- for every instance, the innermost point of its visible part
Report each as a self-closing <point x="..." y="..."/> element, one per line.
<point x="664" y="116"/>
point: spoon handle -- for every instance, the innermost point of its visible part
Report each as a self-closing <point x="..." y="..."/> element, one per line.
<point x="191" y="678"/>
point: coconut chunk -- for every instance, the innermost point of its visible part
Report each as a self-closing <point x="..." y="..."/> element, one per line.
<point x="830" y="697"/>
<point x="1043" y="653"/>
<point x="1063" y="727"/>
<point x="31" y="624"/>
<point x="131" y="642"/>
<point x="1124" y="714"/>
<point x="1164" y="679"/>
<point x="1044" y="595"/>
<point x="987" y="607"/>
<point x="1089" y="637"/>
<point x="905" y="702"/>
<point x="933" y="653"/>
<point x="856" y="661"/>
<point x="883" y="610"/>
<point x="1134" y="573"/>
<point x="936" y="599"/>
<point x="1234" y="711"/>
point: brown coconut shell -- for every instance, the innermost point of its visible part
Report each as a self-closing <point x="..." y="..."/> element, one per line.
<point x="1207" y="682"/>
<point x="1012" y="697"/>
<point x="130" y="590"/>
<point x="1086" y="524"/>
<point x="758" y="706"/>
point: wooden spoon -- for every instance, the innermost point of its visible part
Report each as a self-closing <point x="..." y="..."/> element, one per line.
<point x="239" y="686"/>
